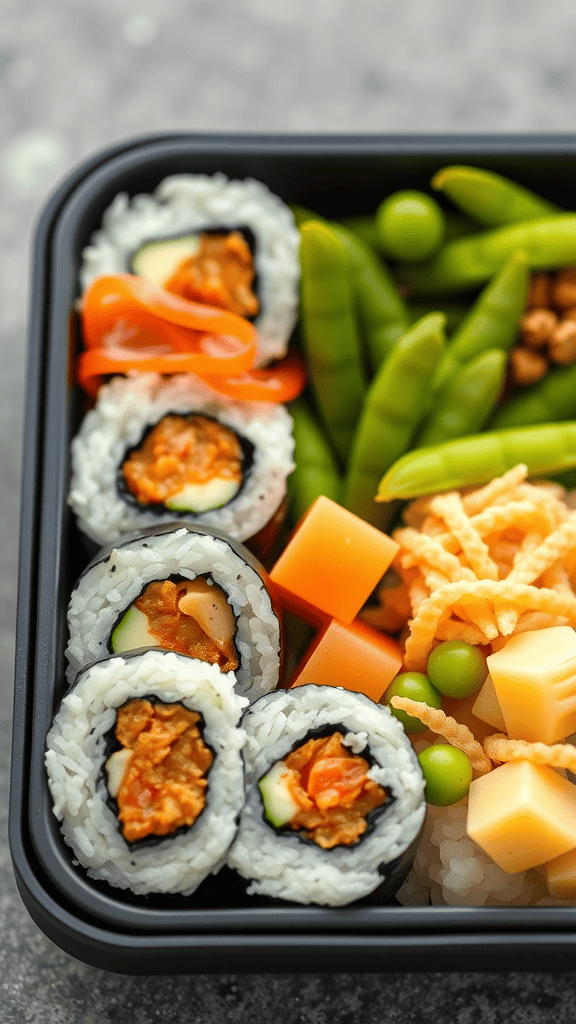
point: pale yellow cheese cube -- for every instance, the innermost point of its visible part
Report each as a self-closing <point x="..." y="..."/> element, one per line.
<point x="522" y="814"/>
<point x="487" y="708"/>
<point x="535" y="680"/>
<point x="560" y="875"/>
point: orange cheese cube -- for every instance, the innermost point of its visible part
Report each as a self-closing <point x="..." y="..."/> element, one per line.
<point x="522" y="815"/>
<point x="356" y="657"/>
<point x="535" y="680"/>
<point x="487" y="708"/>
<point x="560" y="875"/>
<point x="333" y="561"/>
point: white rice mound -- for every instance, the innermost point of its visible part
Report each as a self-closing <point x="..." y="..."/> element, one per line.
<point x="452" y="870"/>
<point x="112" y="583"/>
<point x="280" y="864"/>
<point x="126" y="408"/>
<point x="185" y="203"/>
<point x="76" y="747"/>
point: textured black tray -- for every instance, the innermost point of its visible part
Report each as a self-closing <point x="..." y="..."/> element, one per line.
<point x="217" y="929"/>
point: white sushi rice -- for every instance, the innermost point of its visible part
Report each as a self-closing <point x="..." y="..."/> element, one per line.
<point x="76" y="748"/>
<point x="185" y="203"/>
<point x="452" y="870"/>
<point x="280" y="864"/>
<point x="126" y="408"/>
<point x="109" y="586"/>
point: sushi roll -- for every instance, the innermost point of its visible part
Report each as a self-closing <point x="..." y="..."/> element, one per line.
<point x="231" y="244"/>
<point x="145" y="770"/>
<point x="156" y="449"/>
<point x="335" y="798"/>
<point x="184" y="589"/>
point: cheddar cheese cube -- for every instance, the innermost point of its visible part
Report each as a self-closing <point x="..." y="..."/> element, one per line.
<point x="534" y="675"/>
<point x="354" y="656"/>
<point x="560" y="875"/>
<point x="333" y="561"/>
<point x="487" y="708"/>
<point x="522" y="814"/>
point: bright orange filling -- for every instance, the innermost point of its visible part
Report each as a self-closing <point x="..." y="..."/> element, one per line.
<point x="177" y="631"/>
<point x="332" y="790"/>
<point x="181" y="450"/>
<point x="219" y="274"/>
<point x="164" y="786"/>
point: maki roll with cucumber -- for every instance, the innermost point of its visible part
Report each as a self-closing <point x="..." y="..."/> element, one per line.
<point x="231" y="244"/>
<point x="335" y="798"/>
<point x="182" y="589"/>
<point x="145" y="770"/>
<point x="158" y="449"/>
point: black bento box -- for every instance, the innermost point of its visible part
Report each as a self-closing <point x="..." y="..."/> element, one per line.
<point x="217" y="930"/>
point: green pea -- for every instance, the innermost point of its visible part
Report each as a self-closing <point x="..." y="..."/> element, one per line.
<point x="457" y="669"/>
<point x="447" y="773"/>
<point x="411" y="225"/>
<point x="415" y="686"/>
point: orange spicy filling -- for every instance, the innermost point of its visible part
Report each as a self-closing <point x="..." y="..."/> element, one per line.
<point x="193" y="618"/>
<point x="182" y="450"/>
<point x="219" y="274"/>
<point x="332" y="790"/>
<point x="164" y="783"/>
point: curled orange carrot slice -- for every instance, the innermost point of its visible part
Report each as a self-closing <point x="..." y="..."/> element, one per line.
<point x="123" y="311"/>
<point x="129" y="324"/>
<point x="279" y="383"/>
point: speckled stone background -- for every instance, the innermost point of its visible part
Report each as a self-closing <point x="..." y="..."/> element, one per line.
<point x="77" y="75"/>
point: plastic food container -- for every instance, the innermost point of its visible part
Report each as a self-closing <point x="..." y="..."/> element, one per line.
<point x="217" y="929"/>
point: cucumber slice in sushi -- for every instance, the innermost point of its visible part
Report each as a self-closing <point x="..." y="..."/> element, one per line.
<point x="132" y="632"/>
<point x="158" y="261"/>
<point x="279" y="807"/>
<point x="213" y="494"/>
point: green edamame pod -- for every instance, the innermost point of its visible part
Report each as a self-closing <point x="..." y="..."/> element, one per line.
<point x="316" y="470"/>
<point x="492" y="322"/>
<point x="382" y="313"/>
<point x="489" y="198"/>
<point x="330" y="334"/>
<point x="468" y="399"/>
<point x="474" y="460"/>
<point x="552" y="398"/>
<point x="468" y="262"/>
<point x="392" y="412"/>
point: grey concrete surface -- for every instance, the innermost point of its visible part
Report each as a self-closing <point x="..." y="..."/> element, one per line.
<point x="75" y="76"/>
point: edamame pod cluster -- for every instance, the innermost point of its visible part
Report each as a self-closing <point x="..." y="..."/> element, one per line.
<point x="386" y="379"/>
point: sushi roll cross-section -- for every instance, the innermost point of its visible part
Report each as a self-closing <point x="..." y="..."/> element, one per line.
<point x="229" y="244"/>
<point x="145" y="770"/>
<point x="183" y="589"/>
<point x="156" y="450"/>
<point x="335" y="798"/>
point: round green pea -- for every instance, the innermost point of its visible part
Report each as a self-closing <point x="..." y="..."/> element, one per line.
<point x="457" y="669"/>
<point x="416" y="686"/>
<point x="411" y="225"/>
<point x="447" y="773"/>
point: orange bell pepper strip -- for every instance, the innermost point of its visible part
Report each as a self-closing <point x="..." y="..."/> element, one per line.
<point x="279" y="383"/>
